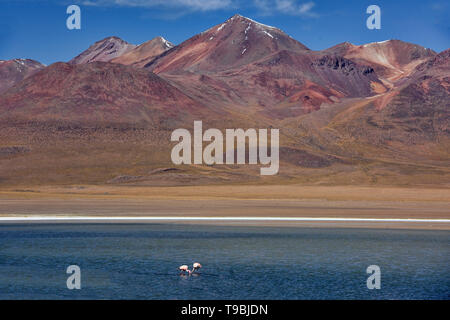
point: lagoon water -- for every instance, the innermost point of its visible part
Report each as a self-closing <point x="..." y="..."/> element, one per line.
<point x="140" y="261"/>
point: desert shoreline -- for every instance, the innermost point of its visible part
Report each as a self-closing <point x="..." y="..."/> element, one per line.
<point x="291" y="222"/>
<point x="250" y="205"/>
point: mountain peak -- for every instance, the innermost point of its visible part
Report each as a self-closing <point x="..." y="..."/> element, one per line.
<point x="112" y="38"/>
<point x="157" y="41"/>
<point x="237" y="41"/>
<point x="395" y="43"/>
<point x="103" y="50"/>
<point x="168" y="44"/>
<point x="239" y="18"/>
<point x="384" y="42"/>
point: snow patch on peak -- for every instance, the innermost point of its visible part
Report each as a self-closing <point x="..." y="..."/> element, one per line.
<point x="248" y="27"/>
<point x="261" y="25"/>
<point x="167" y="43"/>
<point x="20" y="61"/>
<point x="221" y="27"/>
<point x="268" y="34"/>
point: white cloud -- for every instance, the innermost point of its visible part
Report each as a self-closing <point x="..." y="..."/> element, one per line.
<point x="294" y="8"/>
<point x="306" y="7"/>
<point x="265" y="7"/>
<point x="197" y="5"/>
<point x="288" y="7"/>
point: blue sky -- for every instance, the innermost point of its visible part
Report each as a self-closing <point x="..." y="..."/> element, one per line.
<point x="37" y="29"/>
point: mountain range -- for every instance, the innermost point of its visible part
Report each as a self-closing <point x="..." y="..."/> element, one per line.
<point x="376" y="113"/>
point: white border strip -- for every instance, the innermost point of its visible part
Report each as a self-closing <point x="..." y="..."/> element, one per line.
<point x="118" y="219"/>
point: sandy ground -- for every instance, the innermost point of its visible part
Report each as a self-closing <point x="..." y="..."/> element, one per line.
<point x="237" y="201"/>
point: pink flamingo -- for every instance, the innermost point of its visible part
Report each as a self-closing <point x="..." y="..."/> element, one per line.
<point x="196" y="266"/>
<point x="184" y="268"/>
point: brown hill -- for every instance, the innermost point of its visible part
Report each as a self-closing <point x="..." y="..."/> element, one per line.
<point x="14" y="71"/>
<point x="421" y="105"/>
<point x="97" y="93"/>
<point x="391" y="59"/>
<point x="406" y="127"/>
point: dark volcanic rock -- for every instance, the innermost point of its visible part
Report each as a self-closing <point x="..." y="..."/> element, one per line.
<point x="8" y="151"/>
<point x="304" y="159"/>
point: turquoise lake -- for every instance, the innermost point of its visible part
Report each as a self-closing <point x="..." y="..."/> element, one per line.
<point x="140" y="261"/>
